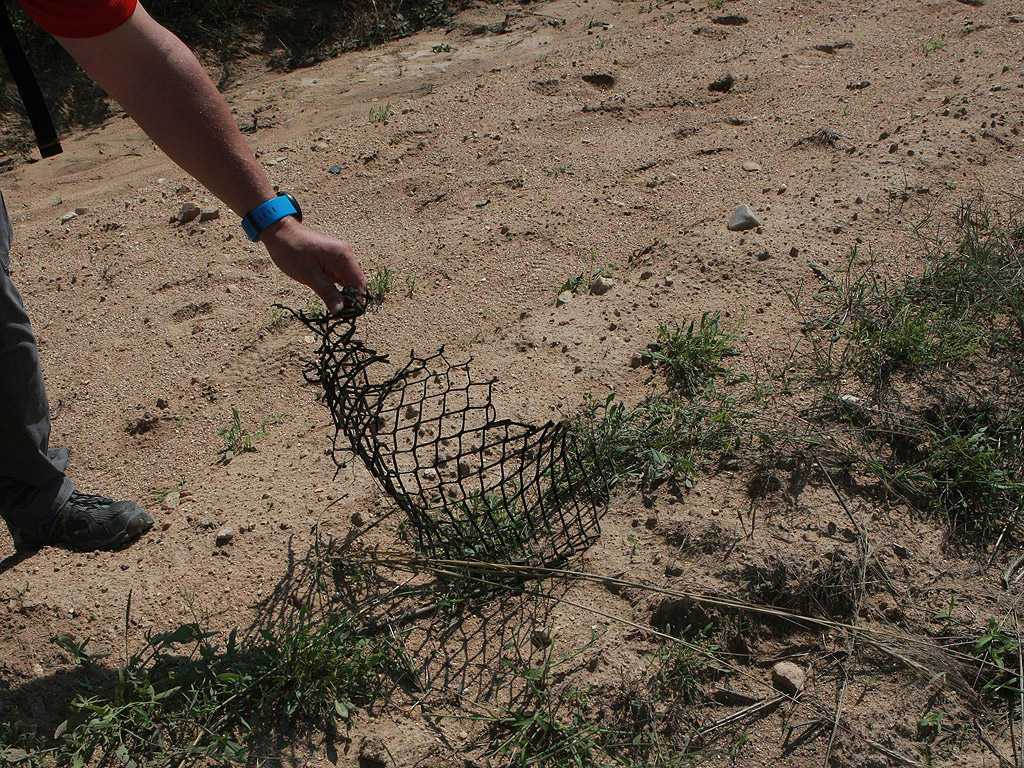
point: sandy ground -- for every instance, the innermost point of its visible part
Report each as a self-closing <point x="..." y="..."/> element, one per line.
<point x="523" y="144"/>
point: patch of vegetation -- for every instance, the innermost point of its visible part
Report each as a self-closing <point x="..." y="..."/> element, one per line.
<point x="964" y="467"/>
<point x="939" y="354"/>
<point x="558" y="168"/>
<point x="382" y="282"/>
<point x="239" y="439"/>
<point x="692" y="359"/>
<point x="162" y="493"/>
<point x="1000" y="657"/>
<point x="191" y="694"/>
<point x="20" y="747"/>
<point x="661" y="438"/>
<point x="588" y="274"/>
<point x="279" y="317"/>
<point x="381" y="113"/>
<point x="545" y="724"/>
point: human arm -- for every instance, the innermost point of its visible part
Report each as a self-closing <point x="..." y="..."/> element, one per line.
<point x="161" y="84"/>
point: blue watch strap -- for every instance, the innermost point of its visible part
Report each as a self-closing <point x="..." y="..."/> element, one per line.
<point x="265" y="214"/>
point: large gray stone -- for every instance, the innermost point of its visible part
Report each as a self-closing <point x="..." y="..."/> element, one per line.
<point x="742" y="219"/>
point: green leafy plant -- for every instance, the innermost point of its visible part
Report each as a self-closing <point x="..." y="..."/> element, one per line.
<point x="590" y="271"/>
<point x="380" y="113"/>
<point x="21" y="747"/>
<point x="930" y="725"/>
<point x="162" y="493"/>
<point x="279" y="318"/>
<point x="382" y="282"/>
<point x="187" y="694"/>
<point x="691" y="358"/>
<point x="441" y="48"/>
<point x="238" y="439"/>
<point x="547" y="726"/>
<point x="660" y="439"/>
<point x="1000" y="657"/>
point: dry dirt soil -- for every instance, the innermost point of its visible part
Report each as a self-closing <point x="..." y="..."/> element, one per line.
<point x="522" y="144"/>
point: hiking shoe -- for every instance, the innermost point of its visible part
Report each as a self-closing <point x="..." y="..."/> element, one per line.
<point x="86" y="523"/>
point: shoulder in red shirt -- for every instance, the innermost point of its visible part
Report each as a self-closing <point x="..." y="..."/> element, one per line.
<point x="79" y="18"/>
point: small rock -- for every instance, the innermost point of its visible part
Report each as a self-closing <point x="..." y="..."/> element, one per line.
<point x="162" y="404"/>
<point x="171" y="501"/>
<point x="81" y="211"/>
<point x="68" y="217"/>
<point x="189" y="212"/>
<point x="358" y="519"/>
<point x="141" y="425"/>
<point x="319" y="147"/>
<point x="601" y="286"/>
<point x="373" y="751"/>
<point x="225" y="536"/>
<point x="208" y="214"/>
<point x="674" y="568"/>
<point x="749" y="166"/>
<point x="541" y="637"/>
<point x="788" y="678"/>
<point x="901" y="551"/>
<point x="335" y="169"/>
<point x="465" y="469"/>
<point x="37" y="670"/>
<point x="563" y="298"/>
<point x="722" y="85"/>
<point x="646" y="274"/>
<point x="742" y="219"/>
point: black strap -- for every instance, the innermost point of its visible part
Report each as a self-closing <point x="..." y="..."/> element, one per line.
<point x="31" y="96"/>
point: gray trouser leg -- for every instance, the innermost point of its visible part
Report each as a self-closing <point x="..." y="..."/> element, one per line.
<point x="32" y="482"/>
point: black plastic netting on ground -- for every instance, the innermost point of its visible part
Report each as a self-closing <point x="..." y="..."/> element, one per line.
<point x="474" y="487"/>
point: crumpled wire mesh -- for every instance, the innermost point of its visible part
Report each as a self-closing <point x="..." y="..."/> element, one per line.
<point x="473" y="486"/>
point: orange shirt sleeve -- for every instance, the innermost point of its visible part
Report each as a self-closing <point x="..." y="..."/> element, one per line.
<point x="79" y="18"/>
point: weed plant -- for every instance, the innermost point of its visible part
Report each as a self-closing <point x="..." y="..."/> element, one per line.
<point x="692" y="359"/>
<point x="238" y="439"/>
<point x="381" y="283"/>
<point x="940" y="354"/>
<point x="185" y="695"/>
<point x="965" y="468"/>
<point x="588" y="274"/>
<point x="662" y="438"/>
<point x="545" y="724"/>
<point x="381" y="113"/>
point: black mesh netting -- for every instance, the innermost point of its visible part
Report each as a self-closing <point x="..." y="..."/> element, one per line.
<point x="474" y="487"/>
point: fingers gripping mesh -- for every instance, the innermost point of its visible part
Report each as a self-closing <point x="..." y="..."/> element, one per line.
<point x="472" y="486"/>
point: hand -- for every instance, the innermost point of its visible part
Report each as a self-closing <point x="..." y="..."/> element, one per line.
<point x="314" y="259"/>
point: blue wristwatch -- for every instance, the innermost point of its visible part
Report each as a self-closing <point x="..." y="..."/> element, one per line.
<point x="265" y="214"/>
